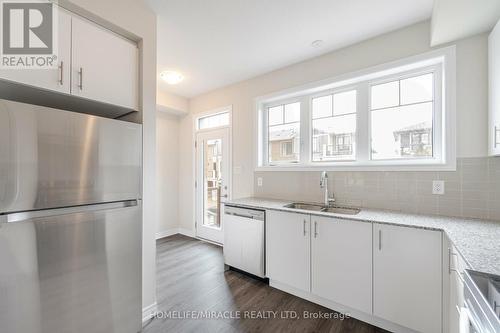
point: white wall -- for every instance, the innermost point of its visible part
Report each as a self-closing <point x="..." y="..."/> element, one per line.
<point x="415" y="39"/>
<point x="167" y="152"/>
<point x="173" y="103"/>
<point x="135" y="17"/>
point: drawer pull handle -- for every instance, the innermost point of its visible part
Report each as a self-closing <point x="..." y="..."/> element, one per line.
<point x="61" y="73"/>
<point x="80" y="74"/>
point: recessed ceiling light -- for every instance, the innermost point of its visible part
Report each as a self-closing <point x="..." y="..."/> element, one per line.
<point x="317" y="43"/>
<point x="171" y="77"/>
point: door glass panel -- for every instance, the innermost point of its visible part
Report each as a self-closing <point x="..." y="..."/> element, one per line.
<point x="212" y="163"/>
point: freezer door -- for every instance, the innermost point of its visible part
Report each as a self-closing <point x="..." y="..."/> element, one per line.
<point x="52" y="158"/>
<point x="77" y="272"/>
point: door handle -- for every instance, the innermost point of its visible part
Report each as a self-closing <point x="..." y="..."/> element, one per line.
<point x="315" y="229"/>
<point x="61" y="73"/>
<point x="495" y="136"/>
<point x="80" y="74"/>
<point x="305" y="227"/>
<point x="380" y="240"/>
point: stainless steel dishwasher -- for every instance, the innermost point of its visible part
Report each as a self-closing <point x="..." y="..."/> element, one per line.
<point x="244" y="246"/>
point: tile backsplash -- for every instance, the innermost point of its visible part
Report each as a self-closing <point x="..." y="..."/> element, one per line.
<point x="472" y="191"/>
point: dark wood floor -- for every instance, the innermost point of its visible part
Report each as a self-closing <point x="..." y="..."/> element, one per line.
<point x="191" y="279"/>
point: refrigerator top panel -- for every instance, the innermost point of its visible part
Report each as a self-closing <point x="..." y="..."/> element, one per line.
<point x="52" y="158"/>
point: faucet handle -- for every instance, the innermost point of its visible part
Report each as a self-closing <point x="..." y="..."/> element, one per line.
<point x="331" y="201"/>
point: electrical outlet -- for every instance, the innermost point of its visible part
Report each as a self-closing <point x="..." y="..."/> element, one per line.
<point x="438" y="187"/>
<point x="259" y="181"/>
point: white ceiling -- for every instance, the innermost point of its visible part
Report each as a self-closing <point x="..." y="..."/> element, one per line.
<point x="218" y="42"/>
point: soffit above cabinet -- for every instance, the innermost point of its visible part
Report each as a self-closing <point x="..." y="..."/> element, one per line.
<point x="457" y="19"/>
<point x="32" y="95"/>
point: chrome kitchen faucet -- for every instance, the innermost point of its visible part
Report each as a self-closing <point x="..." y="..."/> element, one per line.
<point x="323" y="183"/>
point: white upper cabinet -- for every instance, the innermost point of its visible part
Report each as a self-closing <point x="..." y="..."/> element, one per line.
<point x="104" y="65"/>
<point x="494" y="91"/>
<point x="288" y="249"/>
<point x="342" y="261"/>
<point x="407" y="277"/>
<point x="56" y="79"/>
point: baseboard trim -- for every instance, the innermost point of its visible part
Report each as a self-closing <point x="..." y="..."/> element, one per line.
<point x="187" y="232"/>
<point x="166" y="233"/>
<point x="148" y="312"/>
<point x="175" y="231"/>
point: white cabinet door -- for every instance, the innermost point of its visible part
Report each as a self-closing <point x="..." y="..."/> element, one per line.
<point x="407" y="277"/>
<point x="342" y="261"/>
<point x="57" y="79"/>
<point x="494" y="91"/>
<point x="288" y="249"/>
<point x="104" y="65"/>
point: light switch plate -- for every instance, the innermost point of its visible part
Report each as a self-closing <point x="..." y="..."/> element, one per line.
<point x="259" y="181"/>
<point x="438" y="187"/>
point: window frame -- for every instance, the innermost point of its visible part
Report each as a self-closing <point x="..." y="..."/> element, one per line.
<point x="437" y="115"/>
<point x="311" y="119"/>
<point x="265" y="132"/>
<point x="441" y="62"/>
<point x="208" y="114"/>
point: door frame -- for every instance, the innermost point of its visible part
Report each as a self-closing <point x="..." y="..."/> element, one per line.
<point x="196" y="181"/>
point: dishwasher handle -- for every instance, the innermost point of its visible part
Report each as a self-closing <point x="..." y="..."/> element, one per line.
<point x="244" y="213"/>
<point x="240" y="215"/>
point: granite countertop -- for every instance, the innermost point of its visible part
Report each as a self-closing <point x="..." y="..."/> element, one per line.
<point x="478" y="241"/>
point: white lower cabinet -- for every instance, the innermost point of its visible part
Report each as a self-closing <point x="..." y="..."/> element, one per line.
<point x="342" y="261"/>
<point x="288" y="248"/>
<point x="407" y="277"/>
<point x="393" y="274"/>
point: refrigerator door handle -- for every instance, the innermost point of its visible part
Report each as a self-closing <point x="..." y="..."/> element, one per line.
<point x="23" y="216"/>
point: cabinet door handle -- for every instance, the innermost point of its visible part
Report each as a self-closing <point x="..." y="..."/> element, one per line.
<point x="61" y="73"/>
<point x="380" y="240"/>
<point x="449" y="260"/>
<point x="315" y="229"/>
<point x="305" y="227"/>
<point x="80" y="74"/>
<point x="495" y="136"/>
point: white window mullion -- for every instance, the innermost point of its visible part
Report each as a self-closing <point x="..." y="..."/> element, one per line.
<point x="305" y="130"/>
<point x="363" y="144"/>
<point x="438" y="136"/>
<point x="265" y="136"/>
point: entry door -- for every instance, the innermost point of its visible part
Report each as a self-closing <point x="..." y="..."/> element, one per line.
<point x="212" y="182"/>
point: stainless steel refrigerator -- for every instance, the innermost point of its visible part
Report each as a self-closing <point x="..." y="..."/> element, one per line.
<point x="70" y="222"/>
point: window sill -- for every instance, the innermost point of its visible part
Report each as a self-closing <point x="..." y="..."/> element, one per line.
<point x="429" y="166"/>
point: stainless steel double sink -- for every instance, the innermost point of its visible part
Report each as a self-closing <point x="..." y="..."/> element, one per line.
<point x="324" y="209"/>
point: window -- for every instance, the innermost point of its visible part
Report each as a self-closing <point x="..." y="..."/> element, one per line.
<point x="284" y="133"/>
<point x="213" y="120"/>
<point x="334" y="126"/>
<point x="402" y="113"/>
<point x="391" y="117"/>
